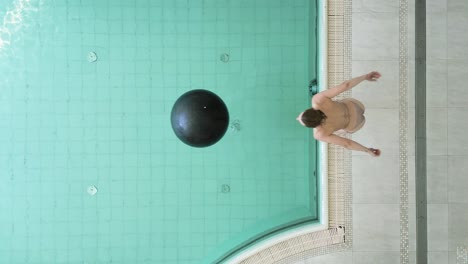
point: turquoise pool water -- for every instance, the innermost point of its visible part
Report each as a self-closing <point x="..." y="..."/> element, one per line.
<point x="70" y="121"/>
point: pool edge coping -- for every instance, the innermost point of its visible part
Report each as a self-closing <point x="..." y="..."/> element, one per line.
<point x="323" y="163"/>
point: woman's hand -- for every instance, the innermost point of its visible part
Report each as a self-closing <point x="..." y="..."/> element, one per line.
<point x="374" y="152"/>
<point x="373" y="76"/>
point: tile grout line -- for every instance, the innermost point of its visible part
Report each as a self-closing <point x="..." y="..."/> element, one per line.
<point x="403" y="130"/>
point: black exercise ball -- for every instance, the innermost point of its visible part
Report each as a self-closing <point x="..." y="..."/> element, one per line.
<point x="199" y="118"/>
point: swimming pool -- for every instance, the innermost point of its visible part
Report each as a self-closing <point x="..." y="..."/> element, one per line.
<point x="92" y="170"/>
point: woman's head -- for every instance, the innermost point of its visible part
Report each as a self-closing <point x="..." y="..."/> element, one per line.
<point x="311" y="117"/>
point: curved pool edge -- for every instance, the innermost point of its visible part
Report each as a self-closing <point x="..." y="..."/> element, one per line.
<point x="276" y="239"/>
<point x="323" y="224"/>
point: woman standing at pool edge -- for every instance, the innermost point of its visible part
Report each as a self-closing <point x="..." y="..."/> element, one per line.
<point x="327" y="116"/>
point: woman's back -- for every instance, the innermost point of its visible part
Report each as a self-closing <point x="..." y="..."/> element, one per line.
<point x="337" y="114"/>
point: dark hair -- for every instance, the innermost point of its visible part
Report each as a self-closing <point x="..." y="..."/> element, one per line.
<point x="313" y="117"/>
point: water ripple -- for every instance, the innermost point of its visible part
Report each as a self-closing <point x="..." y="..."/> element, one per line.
<point x="13" y="20"/>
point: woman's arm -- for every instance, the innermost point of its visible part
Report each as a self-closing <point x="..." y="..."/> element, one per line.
<point x="347" y="143"/>
<point x="332" y="92"/>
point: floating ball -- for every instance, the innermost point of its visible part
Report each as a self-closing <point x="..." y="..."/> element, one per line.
<point x="199" y="118"/>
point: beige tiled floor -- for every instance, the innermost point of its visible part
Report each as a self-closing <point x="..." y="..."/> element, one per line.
<point x="376" y="181"/>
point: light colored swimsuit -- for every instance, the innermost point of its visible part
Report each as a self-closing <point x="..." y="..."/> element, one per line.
<point x="355" y="112"/>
